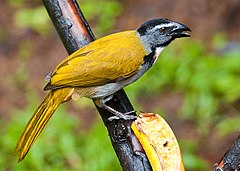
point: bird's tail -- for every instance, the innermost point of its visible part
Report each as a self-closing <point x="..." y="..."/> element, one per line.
<point x="40" y="118"/>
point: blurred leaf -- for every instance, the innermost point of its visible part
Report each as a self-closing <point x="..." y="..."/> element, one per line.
<point x="102" y="13"/>
<point x="191" y="160"/>
<point x="228" y="125"/>
<point x="15" y="3"/>
<point x="35" y="18"/>
<point x="195" y="163"/>
<point x="96" y="158"/>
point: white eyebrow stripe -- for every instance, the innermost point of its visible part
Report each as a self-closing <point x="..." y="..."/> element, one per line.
<point x="164" y="25"/>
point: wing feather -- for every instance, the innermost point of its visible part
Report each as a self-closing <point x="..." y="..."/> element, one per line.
<point x="103" y="61"/>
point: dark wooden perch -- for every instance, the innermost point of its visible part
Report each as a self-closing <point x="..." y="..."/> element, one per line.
<point x="231" y="159"/>
<point x="75" y="32"/>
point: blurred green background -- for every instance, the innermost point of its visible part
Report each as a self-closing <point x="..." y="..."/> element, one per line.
<point x="195" y="84"/>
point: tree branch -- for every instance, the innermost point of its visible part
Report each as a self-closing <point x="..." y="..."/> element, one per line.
<point x="75" y="32"/>
<point x="231" y="159"/>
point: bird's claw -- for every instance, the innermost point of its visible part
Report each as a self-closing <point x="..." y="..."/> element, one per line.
<point x="124" y="116"/>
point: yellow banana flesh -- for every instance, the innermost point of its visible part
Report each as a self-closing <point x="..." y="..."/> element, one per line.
<point x="159" y="142"/>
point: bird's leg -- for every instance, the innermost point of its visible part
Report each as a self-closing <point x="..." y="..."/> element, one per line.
<point x="118" y="115"/>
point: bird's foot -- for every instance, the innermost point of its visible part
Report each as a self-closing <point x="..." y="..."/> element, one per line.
<point x="124" y="116"/>
<point x="117" y="114"/>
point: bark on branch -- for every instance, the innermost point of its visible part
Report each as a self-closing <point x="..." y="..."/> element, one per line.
<point x="231" y="159"/>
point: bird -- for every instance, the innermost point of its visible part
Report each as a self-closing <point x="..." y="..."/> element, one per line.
<point x="100" y="69"/>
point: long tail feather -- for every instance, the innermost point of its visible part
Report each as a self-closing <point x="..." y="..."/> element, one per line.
<point x="40" y="118"/>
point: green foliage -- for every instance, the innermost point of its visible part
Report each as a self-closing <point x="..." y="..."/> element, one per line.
<point x="228" y="125"/>
<point x="61" y="146"/>
<point x="98" y="153"/>
<point x="191" y="160"/>
<point x="19" y="3"/>
<point x="21" y="76"/>
<point x="103" y="13"/>
<point x="34" y="18"/>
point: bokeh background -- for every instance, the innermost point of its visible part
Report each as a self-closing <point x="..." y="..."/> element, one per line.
<point x="195" y="84"/>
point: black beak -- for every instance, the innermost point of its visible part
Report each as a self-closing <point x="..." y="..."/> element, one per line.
<point x="180" y="30"/>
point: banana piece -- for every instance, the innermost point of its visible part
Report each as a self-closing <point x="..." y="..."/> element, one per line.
<point x="159" y="142"/>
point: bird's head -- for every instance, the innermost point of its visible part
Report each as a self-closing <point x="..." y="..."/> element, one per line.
<point x="158" y="33"/>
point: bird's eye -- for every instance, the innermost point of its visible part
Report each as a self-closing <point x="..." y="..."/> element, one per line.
<point x="163" y="29"/>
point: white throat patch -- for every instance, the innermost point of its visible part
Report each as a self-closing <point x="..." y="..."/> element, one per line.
<point x="158" y="51"/>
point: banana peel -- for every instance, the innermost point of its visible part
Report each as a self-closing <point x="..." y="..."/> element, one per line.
<point x="159" y="142"/>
